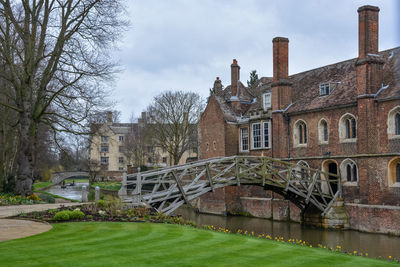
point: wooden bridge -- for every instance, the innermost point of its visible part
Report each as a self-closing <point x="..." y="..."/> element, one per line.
<point x="168" y="188"/>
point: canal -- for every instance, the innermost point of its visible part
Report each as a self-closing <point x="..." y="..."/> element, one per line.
<point x="374" y="244"/>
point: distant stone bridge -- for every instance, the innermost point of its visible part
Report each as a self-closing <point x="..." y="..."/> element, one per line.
<point x="58" y="177"/>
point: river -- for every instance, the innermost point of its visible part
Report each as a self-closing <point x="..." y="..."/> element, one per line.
<point x="374" y="244"/>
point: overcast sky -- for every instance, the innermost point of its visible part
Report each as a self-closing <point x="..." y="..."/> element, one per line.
<point x="186" y="44"/>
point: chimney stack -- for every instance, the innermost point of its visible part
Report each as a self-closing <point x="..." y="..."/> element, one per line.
<point x="217" y="86"/>
<point x="368" y="24"/>
<point x="235" y="77"/>
<point x="281" y="61"/>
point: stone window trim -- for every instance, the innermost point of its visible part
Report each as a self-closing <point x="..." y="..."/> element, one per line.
<point x="300" y="134"/>
<point x="267" y="101"/>
<point x="323" y="131"/>
<point x="349" y="172"/>
<point x="207" y="146"/>
<point x="347" y="128"/>
<point x="394" y="172"/>
<point x="244" y="139"/>
<point x="393" y="123"/>
<point x="215" y="145"/>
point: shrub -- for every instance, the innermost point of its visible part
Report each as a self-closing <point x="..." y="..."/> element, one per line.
<point x="101" y="204"/>
<point x="76" y="215"/>
<point x="33" y="197"/>
<point x="62" y="215"/>
<point x="47" y="198"/>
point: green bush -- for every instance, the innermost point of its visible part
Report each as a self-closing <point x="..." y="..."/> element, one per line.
<point x="76" y="215"/>
<point x="47" y="198"/>
<point x="102" y="204"/>
<point x="62" y="215"/>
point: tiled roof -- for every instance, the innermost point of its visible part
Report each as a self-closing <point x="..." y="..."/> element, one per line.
<point x="306" y="96"/>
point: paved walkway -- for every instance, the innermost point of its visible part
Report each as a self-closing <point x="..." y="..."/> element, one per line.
<point x="12" y="229"/>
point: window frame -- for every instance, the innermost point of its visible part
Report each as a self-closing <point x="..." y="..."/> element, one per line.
<point x="268" y="123"/>
<point x="324" y="89"/>
<point x="106" y="160"/>
<point x="348" y="128"/>
<point x="121" y="138"/>
<point x="349" y="170"/>
<point x="242" y="138"/>
<point x="265" y="96"/>
<point x="107" y="150"/>
<point x="253" y="135"/>
<point x="104" y="139"/>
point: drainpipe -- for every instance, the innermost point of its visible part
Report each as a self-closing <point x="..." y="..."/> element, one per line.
<point x="287" y="119"/>
<point x="272" y="139"/>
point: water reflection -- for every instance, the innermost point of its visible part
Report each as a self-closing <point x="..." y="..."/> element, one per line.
<point x="71" y="192"/>
<point x="373" y="244"/>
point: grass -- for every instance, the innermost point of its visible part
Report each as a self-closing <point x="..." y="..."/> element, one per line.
<point x="134" y="244"/>
<point x="113" y="186"/>
<point x="40" y="185"/>
<point x="77" y="180"/>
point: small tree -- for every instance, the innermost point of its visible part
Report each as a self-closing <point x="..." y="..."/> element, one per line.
<point x="253" y="83"/>
<point x="172" y="121"/>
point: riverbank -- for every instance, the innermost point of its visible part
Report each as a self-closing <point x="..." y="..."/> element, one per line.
<point x="117" y="244"/>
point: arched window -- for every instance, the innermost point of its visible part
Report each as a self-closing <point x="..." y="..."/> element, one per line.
<point x="302" y="170"/>
<point x="348" y="170"/>
<point x="347" y="127"/>
<point x="323" y="134"/>
<point x="300" y="133"/>
<point x="207" y="146"/>
<point x="394" y="172"/>
<point x="394" y="123"/>
<point x="215" y="145"/>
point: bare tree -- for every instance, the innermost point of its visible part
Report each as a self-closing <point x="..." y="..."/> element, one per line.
<point x="55" y="57"/>
<point x="172" y="121"/>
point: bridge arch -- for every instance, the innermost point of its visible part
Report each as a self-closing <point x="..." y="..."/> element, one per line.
<point x="58" y="177"/>
<point x="169" y="188"/>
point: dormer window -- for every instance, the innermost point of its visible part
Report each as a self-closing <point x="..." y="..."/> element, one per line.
<point x="267" y="101"/>
<point x="324" y="89"/>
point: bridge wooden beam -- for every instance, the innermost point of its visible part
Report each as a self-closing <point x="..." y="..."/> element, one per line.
<point x="209" y="177"/>
<point x="178" y="182"/>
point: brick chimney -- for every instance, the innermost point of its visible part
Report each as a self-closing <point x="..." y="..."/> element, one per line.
<point x="281" y="87"/>
<point x="368" y="24"/>
<point x="369" y="64"/>
<point x="235" y="77"/>
<point x="281" y="58"/>
<point x="217" y="86"/>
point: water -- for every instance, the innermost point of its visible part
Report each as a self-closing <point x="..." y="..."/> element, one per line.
<point x="71" y="192"/>
<point x="374" y="244"/>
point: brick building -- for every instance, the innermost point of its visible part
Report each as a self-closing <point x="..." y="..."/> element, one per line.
<point x="341" y="118"/>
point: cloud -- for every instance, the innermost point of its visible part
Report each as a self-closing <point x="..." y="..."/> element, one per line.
<point x="184" y="45"/>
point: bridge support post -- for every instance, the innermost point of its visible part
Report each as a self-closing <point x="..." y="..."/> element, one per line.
<point x="123" y="190"/>
<point x="337" y="216"/>
<point x="96" y="194"/>
<point x="137" y="193"/>
<point x="84" y="194"/>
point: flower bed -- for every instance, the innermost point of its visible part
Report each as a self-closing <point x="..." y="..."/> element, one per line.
<point x="112" y="211"/>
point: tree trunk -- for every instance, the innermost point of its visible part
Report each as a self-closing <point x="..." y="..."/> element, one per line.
<point x="23" y="185"/>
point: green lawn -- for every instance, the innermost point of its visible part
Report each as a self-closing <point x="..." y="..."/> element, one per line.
<point x="40" y="185"/>
<point x="133" y="244"/>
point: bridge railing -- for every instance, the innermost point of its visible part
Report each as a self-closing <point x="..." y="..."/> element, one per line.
<point x="168" y="188"/>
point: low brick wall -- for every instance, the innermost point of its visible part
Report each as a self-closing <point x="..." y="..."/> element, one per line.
<point x="374" y="218"/>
